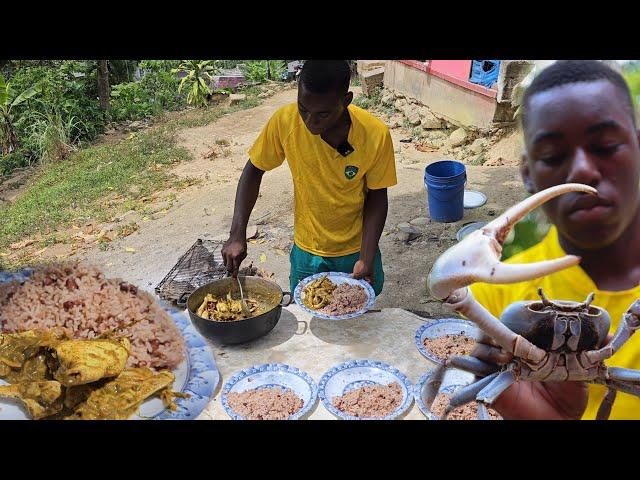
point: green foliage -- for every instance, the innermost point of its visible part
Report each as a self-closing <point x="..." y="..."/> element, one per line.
<point x="262" y="70"/>
<point x="10" y="100"/>
<point x="527" y="233"/>
<point x="197" y="76"/>
<point x="12" y="161"/>
<point x="632" y="75"/>
<point x="371" y="102"/>
<point x="70" y="88"/>
<point x="129" y="101"/>
<point x="80" y="186"/>
<point x="121" y="71"/>
<point x="53" y="135"/>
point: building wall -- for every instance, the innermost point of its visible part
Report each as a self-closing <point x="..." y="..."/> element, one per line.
<point x="452" y="102"/>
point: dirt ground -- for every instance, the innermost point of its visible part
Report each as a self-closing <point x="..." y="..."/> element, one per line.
<point x="205" y="211"/>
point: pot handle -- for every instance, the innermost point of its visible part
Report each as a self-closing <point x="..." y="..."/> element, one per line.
<point x="290" y="300"/>
<point x="182" y="301"/>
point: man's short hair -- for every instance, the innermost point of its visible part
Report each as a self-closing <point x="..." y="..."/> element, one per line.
<point x="324" y="76"/>
<point x="566" y="72"/>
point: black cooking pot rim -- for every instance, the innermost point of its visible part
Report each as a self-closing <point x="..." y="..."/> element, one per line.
<point x="240" y="319"/>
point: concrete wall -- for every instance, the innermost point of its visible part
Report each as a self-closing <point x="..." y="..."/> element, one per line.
<point x="454" y="103"/>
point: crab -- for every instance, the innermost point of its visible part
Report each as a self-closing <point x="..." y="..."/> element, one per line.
<point x="549" y="340"/>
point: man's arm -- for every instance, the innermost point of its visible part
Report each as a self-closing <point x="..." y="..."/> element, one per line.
<point x="235" y="249"/>
<point x="375" y="215"/>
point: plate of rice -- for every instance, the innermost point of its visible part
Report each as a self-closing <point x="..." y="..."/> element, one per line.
<point x="273" y="391"/>
<point x="437" y="340"/>
<point x="85" y="304"/>
<point x="334" y="296"/>
<point x="432" y="396"/>
<point x="365" y="390"/>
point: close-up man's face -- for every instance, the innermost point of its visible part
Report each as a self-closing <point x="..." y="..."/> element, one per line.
<point x="584" y="133"/>
<point x="321" y="111"/>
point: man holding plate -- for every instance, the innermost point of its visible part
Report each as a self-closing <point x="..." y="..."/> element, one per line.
<point x="342" y="162"/>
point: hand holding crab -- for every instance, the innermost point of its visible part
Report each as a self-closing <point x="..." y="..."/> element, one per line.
<point x="549" y="340"/>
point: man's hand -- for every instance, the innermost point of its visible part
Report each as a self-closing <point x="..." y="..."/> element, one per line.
<point x="363" y="270"/>
<point x="234" y="252"/>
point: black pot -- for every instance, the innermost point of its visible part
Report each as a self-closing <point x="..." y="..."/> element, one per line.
<point x="269" y="295"/>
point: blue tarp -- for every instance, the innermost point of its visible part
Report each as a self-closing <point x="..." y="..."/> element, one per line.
<point x="485" y="72"/>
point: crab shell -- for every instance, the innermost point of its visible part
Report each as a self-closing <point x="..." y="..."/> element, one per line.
<point x="535" y="321"/>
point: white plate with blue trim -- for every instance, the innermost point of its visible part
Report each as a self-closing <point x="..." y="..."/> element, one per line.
<point x="272" y="375"/>
<point x="338" y="278"/>
<point x="354" y="374"/>
<point x="428" y="387"/>
<point x="197" y="375"/>
<point x="440" y="328"/>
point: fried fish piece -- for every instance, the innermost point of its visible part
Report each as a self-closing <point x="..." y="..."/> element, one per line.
<point x="77" y="362"/>
<point x="121" y="397"/>
<point x="41" y="399"/>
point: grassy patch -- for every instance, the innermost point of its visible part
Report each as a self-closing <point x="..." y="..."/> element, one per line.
<point x="101" y="181"/>
<point x="79" y="188"/>
<point x="201" y="117"/>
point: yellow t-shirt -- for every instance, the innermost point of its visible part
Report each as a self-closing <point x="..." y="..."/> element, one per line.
<point x="572" y="284"/>
<point x="329" y="188"/>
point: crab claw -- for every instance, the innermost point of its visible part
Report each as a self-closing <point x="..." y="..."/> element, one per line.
<point x="477" y="257"/>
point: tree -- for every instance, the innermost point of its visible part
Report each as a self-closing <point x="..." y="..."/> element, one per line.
<point x="8" y="101"/>
<point x="103" y="84"/>
<point x="197" y="74"/>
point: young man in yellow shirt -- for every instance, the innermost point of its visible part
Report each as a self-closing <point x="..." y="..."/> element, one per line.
<point x="342" y="162"/>
<point x="579" y="127"/>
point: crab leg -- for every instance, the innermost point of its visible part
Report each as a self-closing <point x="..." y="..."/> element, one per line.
<point x="627" y="327"/>
<point x="502" y="335"/>
<point x="483" y="413"/>
<point x="498" y="385"/>
<point x="473" y="365"/>
<point x="477" y="257"/>
<point x="624" y="374"/>
<point x="468" y="394"/>
<point x="607" y="402"/>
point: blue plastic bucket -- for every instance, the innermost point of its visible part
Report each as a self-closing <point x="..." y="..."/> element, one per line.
<point x="445" y="181"/>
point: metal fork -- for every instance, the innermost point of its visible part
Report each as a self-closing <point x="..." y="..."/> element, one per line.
<point x="245" y="308"/>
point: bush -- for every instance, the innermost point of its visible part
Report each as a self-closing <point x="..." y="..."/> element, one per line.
<point x="69" y="87"/>
<point x="12" y="161"/>
<point x="129" y="101"/>
<point x="257" y="70"/>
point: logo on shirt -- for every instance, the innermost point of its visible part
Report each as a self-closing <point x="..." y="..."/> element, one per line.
<point x="350" y="171"/>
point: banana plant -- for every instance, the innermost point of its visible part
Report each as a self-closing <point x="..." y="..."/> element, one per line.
<point x="198" y="73"/>
<point x="8" y="101"/>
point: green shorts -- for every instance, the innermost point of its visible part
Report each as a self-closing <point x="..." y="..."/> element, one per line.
<point x="305" y="264"/>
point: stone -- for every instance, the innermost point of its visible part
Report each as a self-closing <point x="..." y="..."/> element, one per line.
<point x="395" y="122"/>
<point x="458" y="137"/>
<point x="387" y="98"/>
<point x="235" y="98"/>
<point x="263" y="95"/>
<point x="371" y="79"/>
<point x="402" y="236"/>
<point x="478" y="146"/>
<point x="477" y="159"/>
<point x="399" y="104"/>
<point x="407" y="233"/>
<point x="429" y="121"/>
<point x="420" y="221"/>
<point x="413" y="119"/>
